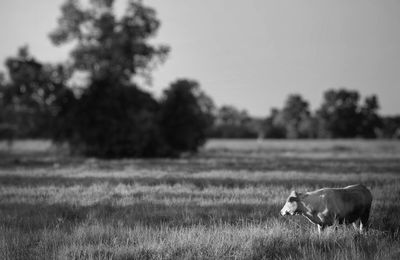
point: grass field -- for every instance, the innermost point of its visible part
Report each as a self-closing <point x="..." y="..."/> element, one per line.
<point x="220" y="204"/>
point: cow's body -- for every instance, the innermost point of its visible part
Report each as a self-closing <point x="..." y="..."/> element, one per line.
<point x="325" y="206"/>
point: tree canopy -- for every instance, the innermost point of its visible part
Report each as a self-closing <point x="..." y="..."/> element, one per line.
<point x="107" y="45"/>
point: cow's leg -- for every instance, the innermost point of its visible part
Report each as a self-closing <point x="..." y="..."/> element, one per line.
<point x="364" y="220"/>
<point x="339" y="222"/>
<point x="355" y="224"/>
<point x="321" y="228"/>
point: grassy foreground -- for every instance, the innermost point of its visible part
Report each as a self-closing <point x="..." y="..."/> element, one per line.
<point x="221" y="204"/>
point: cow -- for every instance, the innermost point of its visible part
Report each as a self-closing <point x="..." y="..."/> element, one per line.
<point x="326" y="206"/>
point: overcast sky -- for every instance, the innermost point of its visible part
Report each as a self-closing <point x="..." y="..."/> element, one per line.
<point x="251" y="53"/>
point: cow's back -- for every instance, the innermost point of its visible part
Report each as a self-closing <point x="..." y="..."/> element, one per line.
<point x="357" y="194"/>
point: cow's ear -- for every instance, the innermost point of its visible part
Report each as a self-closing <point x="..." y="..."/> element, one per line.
<point x="294" y="194"/>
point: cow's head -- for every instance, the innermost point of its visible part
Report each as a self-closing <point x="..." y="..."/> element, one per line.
<point x="292" y="205"/>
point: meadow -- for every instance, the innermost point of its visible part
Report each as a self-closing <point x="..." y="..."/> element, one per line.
<point x="222" y="203"/>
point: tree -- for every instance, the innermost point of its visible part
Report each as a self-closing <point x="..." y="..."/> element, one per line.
<point x="7" y="130"/>
<point x="273" y="125"/>
<point x="234" y="123"/>
<point x="339" y="114"/>
<point x="296" y="117"/>
<point x="113" y="118"/>
<point x="186" y="115"/>
<point x="293" y="121"/>
<point x="229" y="115"/>
<point x="28" y="100"/>
<point x="371" y="121"/>
<point x="391" y="127"/>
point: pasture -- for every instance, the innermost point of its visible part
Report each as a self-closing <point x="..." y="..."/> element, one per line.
<point x="220" y="204"/>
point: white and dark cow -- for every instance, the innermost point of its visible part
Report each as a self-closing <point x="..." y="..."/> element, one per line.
<point x="326" y="206"/>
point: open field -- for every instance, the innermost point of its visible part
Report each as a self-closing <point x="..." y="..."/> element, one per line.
<point x="221" y="204"/>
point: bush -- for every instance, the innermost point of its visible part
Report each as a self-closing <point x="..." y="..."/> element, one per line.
<point x="186" y="116"/>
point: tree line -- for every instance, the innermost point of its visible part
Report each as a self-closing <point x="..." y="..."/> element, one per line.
<point x="111" y="116"/>
<point x="342" y="114"/>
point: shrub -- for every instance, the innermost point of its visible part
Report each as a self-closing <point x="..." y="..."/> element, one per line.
<point x="185" y="116"/>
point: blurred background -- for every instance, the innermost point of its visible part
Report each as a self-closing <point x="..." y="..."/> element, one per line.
<point x="117" y="79"/>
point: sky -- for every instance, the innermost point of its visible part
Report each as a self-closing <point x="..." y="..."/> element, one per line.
<point x="250" y="53"/>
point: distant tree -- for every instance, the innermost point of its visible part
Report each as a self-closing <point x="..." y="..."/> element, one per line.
<point x="231" y="122"/>
<point x="186" y="115"/>
<point x="274" y="126"/>
<point x="339" y="115"/>
<point x="2" y="92"/>
<point x="2" y="81"/>
<point x="29" y="98"/>
<point x="296" y="117"/>
<point x="390" y="127"/>
<point x="232" y="116"/>
<point x="7" y="130"/>
<point x="371" y="122"/>
<point x="113" y="117"/>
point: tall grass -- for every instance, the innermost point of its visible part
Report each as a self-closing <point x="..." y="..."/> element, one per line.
<point x="222" y="204"/>
<point x="271" y="240"/>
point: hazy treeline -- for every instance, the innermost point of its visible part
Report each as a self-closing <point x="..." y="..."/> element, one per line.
<point x="342" y="115"/>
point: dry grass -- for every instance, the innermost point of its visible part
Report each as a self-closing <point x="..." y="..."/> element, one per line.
<point x="221" y="204"/>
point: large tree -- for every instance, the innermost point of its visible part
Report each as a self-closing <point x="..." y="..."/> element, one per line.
<point x="113" y="117"/>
